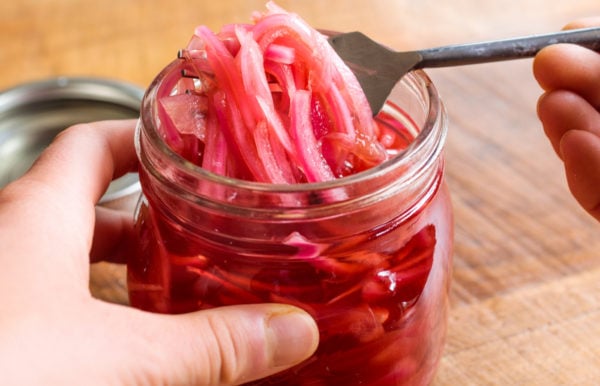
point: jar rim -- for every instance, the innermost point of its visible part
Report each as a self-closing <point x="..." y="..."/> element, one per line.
<point x="430" y="131"/>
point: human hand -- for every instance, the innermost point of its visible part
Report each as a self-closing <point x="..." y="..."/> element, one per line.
<point x="570" y="113"/>
<point x="52" y="331"/>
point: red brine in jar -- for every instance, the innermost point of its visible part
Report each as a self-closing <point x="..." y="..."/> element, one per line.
<point x="367" y="254"/>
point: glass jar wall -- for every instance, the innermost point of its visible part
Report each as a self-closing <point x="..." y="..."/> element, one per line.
<point x="368" y="255"/>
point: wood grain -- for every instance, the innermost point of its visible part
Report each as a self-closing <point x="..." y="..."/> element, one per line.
<point x="526" y="288"/>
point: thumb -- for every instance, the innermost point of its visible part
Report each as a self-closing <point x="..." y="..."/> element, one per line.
<point x="232" y="345"/>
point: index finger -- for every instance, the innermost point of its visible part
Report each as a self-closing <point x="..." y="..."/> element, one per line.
<point x="569" y="67"/>
<point x="83" y="159"/>
<point x="64" y="184"/>
<point x="47" y="216"/>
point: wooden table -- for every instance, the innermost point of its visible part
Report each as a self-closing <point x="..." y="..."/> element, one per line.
<point x="526" y="290"/>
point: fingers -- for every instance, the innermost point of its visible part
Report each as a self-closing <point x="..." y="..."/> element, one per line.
<point x="561" y="111"/>
<point x="569" y="67"/>
<point x="83" y="160"/>
<point x="581" y="154"/>
<point x="570" y="113"/>
<point x="47" y="216"/>
<point x="72" y="174"/>
<point x="227" y="345"/>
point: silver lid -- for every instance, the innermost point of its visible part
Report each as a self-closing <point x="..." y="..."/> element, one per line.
<point x="32" y="114"/>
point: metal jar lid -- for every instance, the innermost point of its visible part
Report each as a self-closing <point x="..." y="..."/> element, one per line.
<point x="32" y="114"/>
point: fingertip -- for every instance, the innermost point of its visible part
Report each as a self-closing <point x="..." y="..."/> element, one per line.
<point x="561" y="111"/>
<point x="581" y="156"/>
<point x="553" y="117"/>
<point x="556" y="66"/>
<point x="569" y="67"/>
<point x="294" y="336"/>
<point x="541" y="64"/>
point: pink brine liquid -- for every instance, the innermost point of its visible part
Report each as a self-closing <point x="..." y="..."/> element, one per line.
<point x="377" y="289"/>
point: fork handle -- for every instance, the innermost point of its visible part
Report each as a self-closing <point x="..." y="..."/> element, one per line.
<point x="507" y="49"/>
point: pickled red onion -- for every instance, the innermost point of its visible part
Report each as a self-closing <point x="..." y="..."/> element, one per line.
<point x="281" y="98"/>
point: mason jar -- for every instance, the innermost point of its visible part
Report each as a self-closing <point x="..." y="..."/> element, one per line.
<point x="367" y="255"/>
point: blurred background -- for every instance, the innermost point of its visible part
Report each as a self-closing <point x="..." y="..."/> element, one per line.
<point x="133" y="39"/>
<point x="525" y="301"/>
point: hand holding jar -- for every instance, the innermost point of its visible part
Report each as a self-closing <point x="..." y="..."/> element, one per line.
<point x="53" y="332"/>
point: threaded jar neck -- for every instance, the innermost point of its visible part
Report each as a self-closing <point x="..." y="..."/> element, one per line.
<point x="414" y="102"/>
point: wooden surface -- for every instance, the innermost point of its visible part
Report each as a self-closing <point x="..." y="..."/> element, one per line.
<point x="526" y="289"/>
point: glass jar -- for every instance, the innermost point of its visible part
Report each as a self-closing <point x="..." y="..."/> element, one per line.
<point x="368" y="255"/>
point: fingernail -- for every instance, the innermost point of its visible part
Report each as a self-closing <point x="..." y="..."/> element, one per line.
<point x="293" y="336"/>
